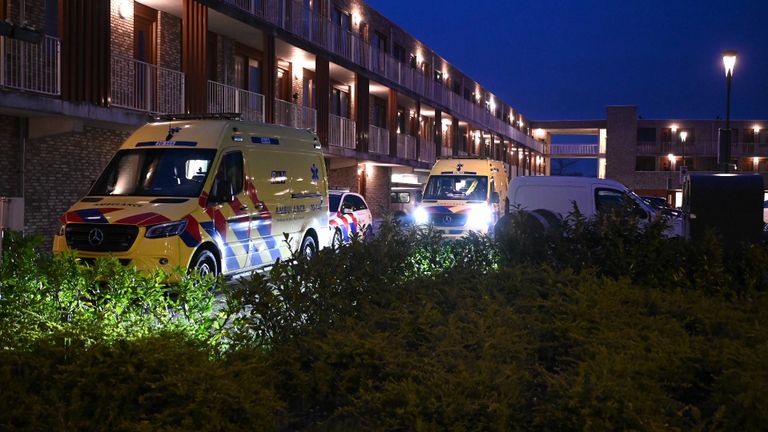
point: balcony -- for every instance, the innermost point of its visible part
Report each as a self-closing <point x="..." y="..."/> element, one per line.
<point x="288" y="114"/>
<point x="573" y="149"/>
<point x="406" y="146"/>
<point x="378" y="140"/>
<point x="146" y="87"/>
<point x="427" y="153"/>
<point x="31" y="67"/>
<point x="294" y="17"/>
<point x="341" y="132"/>
<point x="227" y="99"/>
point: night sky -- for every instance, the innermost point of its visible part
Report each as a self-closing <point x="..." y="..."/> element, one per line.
<point x="569" y="59"/>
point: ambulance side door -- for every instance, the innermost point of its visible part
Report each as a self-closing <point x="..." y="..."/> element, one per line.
<point x="229" y="211"/>
<point x="270" y="179"/>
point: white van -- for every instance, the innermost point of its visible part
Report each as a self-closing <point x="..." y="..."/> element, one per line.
<point x="462" y="195"/>
<point x="558" y="194"/>
<point x="220" y="196"/>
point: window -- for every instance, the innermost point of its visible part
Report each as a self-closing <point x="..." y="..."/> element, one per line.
<point x="353" y="202"/>
<point x="399" y="53"/>
<point x="400" y="197"/>
<point x="646" y="135"/>
<point x="456" y="87"/>
<point x="378" y="112"/>
<point x="645" y="163"/>
<point x="155" y="172"/>
<point x="401" y="120"/>
<point x="51" y="16"/>
<point x="340" y="101"/>
<point x="608" y="199"/>
<point x="453" y="187"/>
<point x="229" y="178"/>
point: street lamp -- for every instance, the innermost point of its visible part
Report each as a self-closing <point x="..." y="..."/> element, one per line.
<point x="724" y="141"/>
<point x="683" y="167"/>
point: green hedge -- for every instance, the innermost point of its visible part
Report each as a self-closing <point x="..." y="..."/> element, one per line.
<point x="593" y="327"/>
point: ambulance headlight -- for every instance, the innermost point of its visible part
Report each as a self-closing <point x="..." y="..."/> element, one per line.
<point x="420" y="216"/>
<point x="168" y="229"/>
<point x="480" y="217"/>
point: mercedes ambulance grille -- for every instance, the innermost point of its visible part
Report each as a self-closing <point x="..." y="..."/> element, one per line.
<point x="448" y="219"/>
<point x="101" y="237"/>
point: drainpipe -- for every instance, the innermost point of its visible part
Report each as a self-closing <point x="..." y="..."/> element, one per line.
<point x="23" y="128"/>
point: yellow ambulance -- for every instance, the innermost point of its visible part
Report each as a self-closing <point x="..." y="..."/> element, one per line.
<point x="463" y="195"/>
<point x="214" y="194"/>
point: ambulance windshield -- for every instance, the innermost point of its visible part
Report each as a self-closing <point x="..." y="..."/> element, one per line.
<point x="156" y="172"/>
<point x="456" y="187"/>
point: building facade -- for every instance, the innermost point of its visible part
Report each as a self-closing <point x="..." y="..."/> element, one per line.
<point x="651" y="156"/>
<point x="382" y="103"/>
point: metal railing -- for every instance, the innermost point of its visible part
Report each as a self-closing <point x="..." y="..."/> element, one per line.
<point x="341" y="132"/>
<point x="30" y="66"/>
<point x="406" y="146"/>
<point x="288" y="114"/>
<point x="445" y="151"/>
<point x="223" y="98"/>
<point x="146" y="87"/>
<point x="574" y="149"/>
<point x="427" y="151"/>
<point x="378" y="140"/>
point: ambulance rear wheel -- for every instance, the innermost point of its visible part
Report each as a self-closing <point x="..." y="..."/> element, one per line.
<point x="205" y="263"/>
<point x="308" y="247"/>
<point x="337" y="239"/>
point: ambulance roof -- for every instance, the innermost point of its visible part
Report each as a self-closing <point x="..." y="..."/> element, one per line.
<point x="215" y="133"/>
<point x="474" y="166"/>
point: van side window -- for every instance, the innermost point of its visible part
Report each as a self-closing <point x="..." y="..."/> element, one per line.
<point x="229" y="178"/>
<point x="607" y="200"/>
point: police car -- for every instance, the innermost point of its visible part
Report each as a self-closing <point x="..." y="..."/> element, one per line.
<point x="348" y="216"/>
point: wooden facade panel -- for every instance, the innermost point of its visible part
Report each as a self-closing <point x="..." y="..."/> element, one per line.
<point x="85" y="55"/>
<point x="194" y="52"/>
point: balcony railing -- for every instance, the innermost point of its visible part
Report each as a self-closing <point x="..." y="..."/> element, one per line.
<point x="427" y="151"/>
<point x="228" y="99"/>
<point x="146" y="87"/>
<point x="31" y="67"/>
<point x="406" y="146"/>
<point x="445" y="151"/>
<point x="341" y="132"/>
<point x="574" y="149"/>
<point x="378" y="140"/>
<point x="288" y="114"/>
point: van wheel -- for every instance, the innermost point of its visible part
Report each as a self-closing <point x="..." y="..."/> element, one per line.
<point x="204" y="263"/>
<point x="337" y="240"/>
<point x="308" y="247"/>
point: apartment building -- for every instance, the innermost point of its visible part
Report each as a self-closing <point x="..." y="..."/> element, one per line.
<point x="384" y="105"/>
<point x="651" y="156"/>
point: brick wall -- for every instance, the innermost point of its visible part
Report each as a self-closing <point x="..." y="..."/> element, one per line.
<point x="10" y="162"/>
<point x="169" y="41"/>
<point x="225" y="60"/>
<point x="343" y="178"/>
<point x="377" y="188"/>
<point x="60" y="170"/>
<point x="122" y="30"/>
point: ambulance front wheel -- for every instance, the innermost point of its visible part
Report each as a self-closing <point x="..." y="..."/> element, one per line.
<point x="337" y="239"/>
<point x="205" y="263"/>
<point x="308" y="246"/>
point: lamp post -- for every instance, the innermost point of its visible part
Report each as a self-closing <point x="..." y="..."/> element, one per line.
<point x="724" y="141"/>
<point x="683" y="166"/>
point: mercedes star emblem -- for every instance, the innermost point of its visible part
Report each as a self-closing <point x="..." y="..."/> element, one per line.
<point x="447" y="219"/>
<point x="96" y="237"/>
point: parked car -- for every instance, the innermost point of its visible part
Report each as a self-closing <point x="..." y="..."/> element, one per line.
<point x="661" y="205"/>
<point x="348" y="216"/>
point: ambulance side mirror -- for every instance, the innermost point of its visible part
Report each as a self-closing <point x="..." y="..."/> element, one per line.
<point x="221" y="192"/>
